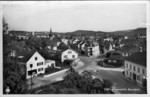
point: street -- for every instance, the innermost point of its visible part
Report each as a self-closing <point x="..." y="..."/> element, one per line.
<point x="121" y="84"/>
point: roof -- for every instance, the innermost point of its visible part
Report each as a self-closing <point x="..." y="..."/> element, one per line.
<point x="130" y="41"/>
<point x="138" y="58"/>
<point x="25" y="56"/>
<point x="115" y="55"/>
<point x="48" y="61"/>
<point x="129" y="49"/>
<point x="52" y="42"/>
<point x="62" y="46"/>
<point x="69" y="49"/>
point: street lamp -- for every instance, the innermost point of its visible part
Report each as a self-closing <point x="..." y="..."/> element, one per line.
<point x="7" y="90"/>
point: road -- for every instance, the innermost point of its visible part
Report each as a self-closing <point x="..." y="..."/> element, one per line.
<point x="121" y="84"/>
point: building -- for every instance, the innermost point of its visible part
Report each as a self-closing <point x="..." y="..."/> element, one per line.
<point x="35" y="63"/>
<point x="135" y="67"/>
<point x="65" y="41"/>
<point x="129" y="50"/>
<point x="92" y="49"/>
<point x="69" y="54"/>
<point x="114" y="57"/>
<point x="49" y="63"/>
<point x="105" y="47"/>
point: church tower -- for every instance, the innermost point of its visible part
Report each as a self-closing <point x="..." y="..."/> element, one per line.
<point x="50" y="34"/>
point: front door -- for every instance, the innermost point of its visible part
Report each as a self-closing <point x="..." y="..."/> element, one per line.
<point x="134" y="76"/>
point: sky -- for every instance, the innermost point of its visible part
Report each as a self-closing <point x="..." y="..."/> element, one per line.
<point x="64" y="16"/>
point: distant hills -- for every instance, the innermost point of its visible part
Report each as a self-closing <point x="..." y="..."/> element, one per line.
<point x="130" y="32"/>
<point x="122" y="33"/>
<point x="89" y="32"/>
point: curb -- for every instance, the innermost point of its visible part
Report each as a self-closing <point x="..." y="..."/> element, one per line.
<point x="55" y="73"/>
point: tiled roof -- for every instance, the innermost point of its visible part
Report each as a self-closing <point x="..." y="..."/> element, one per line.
<point x="130" y="42"/>
<point x="129" y="49"/>
<point x="115" y="55"/>
<point x="52" y="42"/>
<point x="25" y="56"/>
<point x="138" y="58"/>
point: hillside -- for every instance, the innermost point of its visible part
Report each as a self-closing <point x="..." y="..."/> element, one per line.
<point x="131" y="32"/>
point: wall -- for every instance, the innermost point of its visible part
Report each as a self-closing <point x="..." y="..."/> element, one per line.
<point x="69" y="55"/>
<point x="96" y="51"/>
<point x="34" y="62"/>
<point x="129" y="70"/>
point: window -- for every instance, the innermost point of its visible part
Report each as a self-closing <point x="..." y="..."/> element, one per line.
<point x="134" y="68"/>
<point x="35" y="58"/>
<point x="65" y="56"/>
<point x="69" y="52"/>
<point x="31" y="65"/>
<point x="109" y="60"/>
<point x="130" y="66"/>
<point x="143" y="71"/>
<point x="40" y="69"/>
<point x="114" y="61"/>
<point x="138" y="70"/>
<point x="126" y="72"/>
<point x="40" y="63"/>
<point x="127" y="65"/>
<point x="73" y="56"/>
<point x="130" y="74"/>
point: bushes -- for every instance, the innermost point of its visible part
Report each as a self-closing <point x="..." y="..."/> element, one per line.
<point x="51" y="70"/>
<point x="100" y="63"/>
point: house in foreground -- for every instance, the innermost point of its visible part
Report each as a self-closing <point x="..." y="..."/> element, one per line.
<point x="135" y="67"/>
<point x="35" y="63"/>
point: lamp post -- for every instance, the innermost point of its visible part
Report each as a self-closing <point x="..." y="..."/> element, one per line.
<point x="31" y="75"/>
<point x="7" y="90"/>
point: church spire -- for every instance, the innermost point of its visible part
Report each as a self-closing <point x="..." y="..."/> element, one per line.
<point x="50" y="31"/>
<point x="50" y="34"/>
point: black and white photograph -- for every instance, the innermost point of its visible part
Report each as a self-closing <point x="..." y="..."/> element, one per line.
<point x="74" y="47"/>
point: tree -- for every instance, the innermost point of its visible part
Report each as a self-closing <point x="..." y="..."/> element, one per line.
<point x="98" y="86"/>
<point x="71" y="78"/>
<point x="107" y="85"/>
<point x="14" y="76"/>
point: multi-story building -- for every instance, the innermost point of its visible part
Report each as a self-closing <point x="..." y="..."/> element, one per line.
<point x="35" y="63"/>
<point x="135" y="67"/>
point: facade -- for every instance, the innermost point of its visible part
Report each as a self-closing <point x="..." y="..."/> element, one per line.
<point x="65" y="41"/>
<point x="35" y="65"/>
<point x="96" y="51"/>
<point x="69" y="54"/>
<point x="114" y="57"/>
<point x="135" y="67"/>
<point x="49" y="63"/>
<point x="92" y="49"/>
